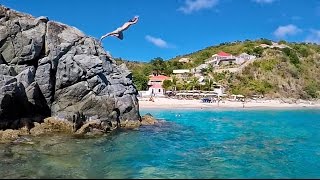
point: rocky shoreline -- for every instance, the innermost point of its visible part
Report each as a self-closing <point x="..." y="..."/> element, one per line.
<point x="53" y="125"/>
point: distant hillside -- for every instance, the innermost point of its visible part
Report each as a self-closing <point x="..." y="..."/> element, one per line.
<point x="278" y="73"/>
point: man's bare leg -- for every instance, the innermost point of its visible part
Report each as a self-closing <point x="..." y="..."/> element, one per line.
<point x="104" y="36"/>
<point x="109" y="34"/>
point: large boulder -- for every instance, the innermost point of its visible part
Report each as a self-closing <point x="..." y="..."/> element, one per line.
<point x="50" y="69"/>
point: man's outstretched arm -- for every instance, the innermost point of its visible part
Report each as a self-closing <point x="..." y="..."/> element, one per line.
<point x="126" y="25"/>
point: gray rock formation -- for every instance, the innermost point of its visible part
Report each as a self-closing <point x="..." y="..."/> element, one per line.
<point x="51" y="69"/>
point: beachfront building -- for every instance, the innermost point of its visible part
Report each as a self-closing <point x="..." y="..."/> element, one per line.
<point x="155" y="85"/>
<point x="219" y="89"/>
<point x="237" y="97"/>
<point x="156" y="90"/>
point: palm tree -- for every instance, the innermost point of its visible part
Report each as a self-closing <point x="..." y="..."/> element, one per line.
<point x="174" y="82"/>
<point x="194" y="83"/>
<point x="208" y="83"/>
<point x="181" y="85"/>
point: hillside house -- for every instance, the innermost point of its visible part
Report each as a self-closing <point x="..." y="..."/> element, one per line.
<point x="274" y="45"/>
<point x="222" y="58"/>
<point x="264" y="45"/>
<point x="184" y="60"/>
<point x="198" y="70"/>
<point x="181" y="73"/>
<point x="244" y="57"/>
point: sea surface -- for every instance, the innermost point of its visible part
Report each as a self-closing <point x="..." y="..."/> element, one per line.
<point x="185" y="144"/>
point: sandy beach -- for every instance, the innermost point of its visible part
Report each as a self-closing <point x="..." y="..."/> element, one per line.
<point x="167" y="103"/>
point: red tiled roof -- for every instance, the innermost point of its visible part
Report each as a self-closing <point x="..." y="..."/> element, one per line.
<point x="159" y="78"/>
<point x="156" y="86"/>
<point x="223" y="54"/>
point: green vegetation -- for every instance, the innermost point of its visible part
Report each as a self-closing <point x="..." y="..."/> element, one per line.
<point x="167" y="84"/>
<point x="302" y="49"/>
<point x="312" y="89"/>
<point x="266" y="65"/>
<point x="140" y="72"/>
<point x="292" y="56"/>
<point x="265" y="41"/>
<point x="140" y="81"/>
<point x="277" y="73"/>
<point x="282" y="42"/>
<point x="158" y="65"/>
<point x="257" y="51"/>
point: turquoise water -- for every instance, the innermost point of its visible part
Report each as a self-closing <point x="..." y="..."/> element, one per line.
<point x="186" y="144"/>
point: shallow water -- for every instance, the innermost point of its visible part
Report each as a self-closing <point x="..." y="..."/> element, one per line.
<point x="186" y="144"/>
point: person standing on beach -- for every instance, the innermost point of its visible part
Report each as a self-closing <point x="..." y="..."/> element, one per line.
<point x="119" y="31"/>
<point x="244" y="100"/>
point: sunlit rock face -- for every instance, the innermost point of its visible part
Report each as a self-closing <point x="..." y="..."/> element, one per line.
<point x="51" y="69"/>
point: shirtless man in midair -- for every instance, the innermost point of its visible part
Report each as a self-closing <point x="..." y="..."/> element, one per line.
<point x="119" y="32"/>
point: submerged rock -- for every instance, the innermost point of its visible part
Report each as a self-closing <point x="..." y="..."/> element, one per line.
<point x="23" y="140"/>
<point x="50" y="69"/>
<point x="148" y="119"/>
<point x="10" y="135"/>
<point x="95" y="127"/>
<point x="52" y="125"/>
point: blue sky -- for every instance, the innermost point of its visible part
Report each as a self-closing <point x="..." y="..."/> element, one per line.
<point x="168" y="28"/>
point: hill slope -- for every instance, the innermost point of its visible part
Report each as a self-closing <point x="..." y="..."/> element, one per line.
<point x="277" y="73"/>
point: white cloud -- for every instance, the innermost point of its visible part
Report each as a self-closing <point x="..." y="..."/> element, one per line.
<point x="157" y="41"/>
<point x="283" y="31"/>
<point x="314" y="36"/>
<point x="264" y="1"/>
<point x="197" y="5"/>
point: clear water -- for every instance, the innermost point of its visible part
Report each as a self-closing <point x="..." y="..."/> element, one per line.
<point x="187" y="144"/>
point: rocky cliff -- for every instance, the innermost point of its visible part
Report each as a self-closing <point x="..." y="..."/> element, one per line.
<point x="51" y="69"/>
